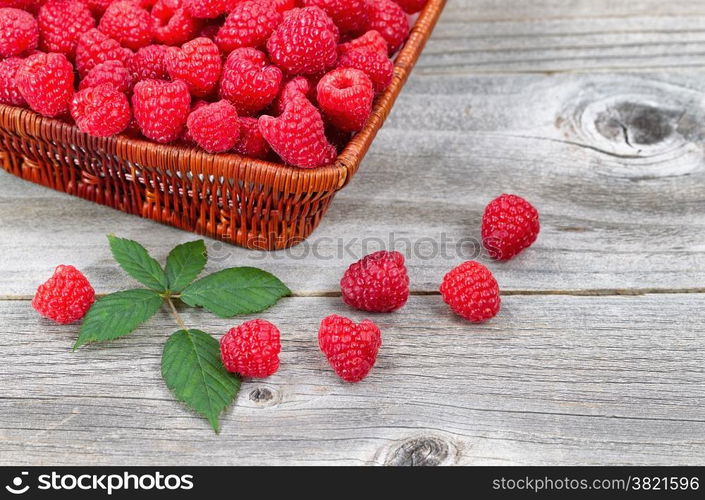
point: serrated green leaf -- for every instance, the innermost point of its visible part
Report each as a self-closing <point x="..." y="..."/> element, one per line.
<point x="238" y="290"/>
<point x="193" y="371"/>
<point x="117" y="315"/>
<point x="184" y="264"/>
<point x="137" y="262"/>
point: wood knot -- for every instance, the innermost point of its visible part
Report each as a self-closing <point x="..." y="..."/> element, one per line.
<point x="264" y="396"/>
<point x="636" y="124"/>
<point x="421" y="452"/>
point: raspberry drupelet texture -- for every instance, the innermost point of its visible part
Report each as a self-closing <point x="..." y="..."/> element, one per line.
<point x="252" y="349"/>
<point x="18" y="32"/>
<point x="98" y="6"/>
<point x="65" y="297"/>
<point x="509" y="225"/>
<point x="150" y="63"/>
<point x="251" y="143"/>
<point x="197" y="63"/>
<point x="296" y="86"/>
<point x="128" y="23"/>
<point x="351" y="349"/>
<point x="249" y="24"/>
<point x="376" y="283"/>
<point x="61" y="23"/>
<point x="345" y="95"/>
<point x="350" y="16"/>
<point x="9" y="92"/>
<point x="471" y="292"/>
<point x="390" y="21"/>
<point x="305" y="43"/>
<point x="411" y="6"/>
<point x="215" y="127"/>
<point x="371" y="40"/>
<point x="298" y="134"/>
<point x="46" y="83"/>
<point x="161" y="108"/>
<point x="209" y="9"/>
<point x="95" y="47"/>
<point x="172" y="24"/>
<point x="375" y="65"/>
<point x="112" y="72"/>
<point x="101" y="111"/>
<point x="249" y="82"/>
<point x="280" y="5"/>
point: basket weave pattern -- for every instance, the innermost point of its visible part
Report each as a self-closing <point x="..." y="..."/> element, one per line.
<point x="245" y="201"/>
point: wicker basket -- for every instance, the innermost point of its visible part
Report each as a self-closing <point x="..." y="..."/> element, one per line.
<point x="240" y="200"/>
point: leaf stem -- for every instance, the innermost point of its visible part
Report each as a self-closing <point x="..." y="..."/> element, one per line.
<point x="178" y="319"/>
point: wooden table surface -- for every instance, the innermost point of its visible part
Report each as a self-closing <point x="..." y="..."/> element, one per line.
<point x="592" y="109"/>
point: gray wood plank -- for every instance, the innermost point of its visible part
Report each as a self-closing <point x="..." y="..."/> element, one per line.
<point x="551" y="380"/>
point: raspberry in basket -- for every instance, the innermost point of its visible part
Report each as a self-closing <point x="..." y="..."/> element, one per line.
<point x="371" y="40"/>
<point x="172" y="24"/>
<point x="161" y="108"/>
<point x="251" y="142"/>
<point x="46" y="83"/>
<point x="376" y="283"/>
<point x="412" y="6"/>
<point x="249" y="82"/>
<point x="297" y="85"/>
<point x="128" y="23"/>
<point x="249" y="24"/>
<point x="150" y="63"/>
<point x="95" y="47"/>
<point x="101" y="111"/>
<point x="351" y="349"/>
<point x="251" y="349"/>
<point x="197" y="63"/>
<point x="65" y="297"/>
<point x="112" y="72"/>
<point x="345" y="95"/>
<point x="214" y="127"/>
<point x="509" y="225"/>
<point x="208" y="9"/>
<point x="471" y="292"/>
<point x="9" y="92"/>
<point x="18" y="32"/>
<point x="376" y="65"/>
<point x="350" y="16"/>
<point x="390" y="21"/>
<point x="61" y="23"/>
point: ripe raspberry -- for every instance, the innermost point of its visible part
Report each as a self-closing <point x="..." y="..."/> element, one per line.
<point x="186" y="135"/>
<point x="95" y="47"/>
<point x="351" y="348"/>
<point x="65" y="297"/>
<point x="509" y="225"/>
<point x="101" y="111"/>
<point x="149" y="63"/>
<point x="251" y="142"/>
<point x="295" y="86"/>
<point x="280" y="5"/>
<point x="61" y="23"/>
<point x="371" y="40"/>
<point x="128" y="23"/>
<point x="18" y="32"/>
<point x="111" y="72"/>
<point x="345" y="95"/>
<point x="471" y="292"/>
<point x="349" y="15"/>
<point x="248" y="81"/>
<point x="251" y="349"/>
<point x="46" y="83"/>
<point x="161" y="108"/>
<point x="298" y="135"/>
<point x="208" y="9"/>
<point x="249" y="24"/>
<point x="9" y="92"/>
<point x="215" y="127"/>
<point x="98" y="6"/>
<point x="172" y="24"/>
<point x="375" y="65"/>
<point x="197" y="63"/>
<point x="21" y="4"/>
<point x="411" y="6"/>
<point x="376" y="283"/>
<point x="390" y="20"/>
<point x="305" y="43"/>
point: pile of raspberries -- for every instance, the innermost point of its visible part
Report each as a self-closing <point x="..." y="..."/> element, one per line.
<point x="283" y="80"/>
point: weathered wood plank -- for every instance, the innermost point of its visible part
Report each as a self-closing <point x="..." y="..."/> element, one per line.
<point x="551" y="380"/>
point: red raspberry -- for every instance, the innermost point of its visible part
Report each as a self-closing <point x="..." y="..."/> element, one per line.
<point x="371" y="40"/>
<point x="280" y="5"/>
<point x="149" y="63"/>
<point x="377" y="66"/>
<point x="197" y="63"/>
<point x="98" y="6"/>
<point x="348" y="15"/>
<point x="298" y="85"/>
<point x="345" y="95"/>
<point x="9" y="92"/>
<point x="376" y="283"/>
<point x="186" y="135"/>
<point x="509" y="225"/>
<point x="65" y="297"/>
<point x="251" y="142"/>
<point x="251" y="349"/>
<point x="471" y="292"/>
<point x="209" y="9"/>
<point x="128" y="23"/>
<point x="101" y="111"/>
<point x="161" y="108"/>
<point x="351" y="349"/>
<point x="215" y="127"/>
<point x="411" y="6"/>
<point x="61" y="23"/>
<point x="305" y="43"/>
<point x="18" y="32"/>
<point x="298" y="136"/>
<point x="46" y="83"/>
<point x="249" y="24"/>
<point x="172" y="24"/>
<point x="390" y="20"/>
<point x="249" y="82"/>
<point x="95" y="47"/>
<point x="111" y="72"/>
<point x="21" y="4"/>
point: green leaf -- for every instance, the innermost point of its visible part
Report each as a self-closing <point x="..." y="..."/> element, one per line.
<point x="184" y="264"/>
<point x="239" y="290"/>
<point x="192" y="369"/>
<point x="118" y="314"/>
<point x="136" y="262"/>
